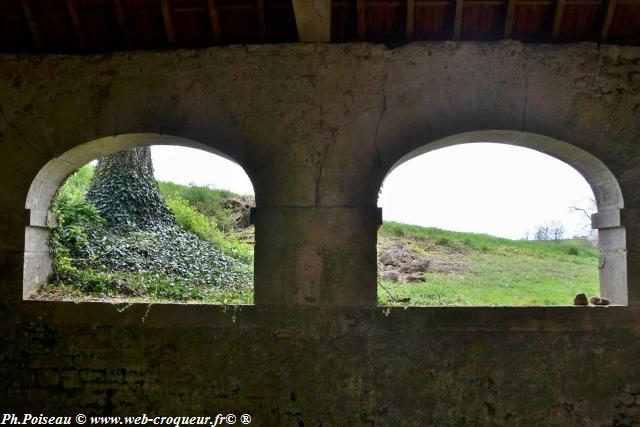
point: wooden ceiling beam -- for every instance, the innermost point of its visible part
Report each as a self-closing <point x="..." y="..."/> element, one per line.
<point x="215" y="21"/>
<point x="121" y="17"/>
<point x="313" y="19"/>
<point x="72" y="7"/>
<point x="608" y="19"/>
<point x="411" y="19"/>
<point x="362" y="20"/>
<point x="34" y="26"/>
<point x="168" y="22"/>
<point x="457" y="21"/>
<point x="557" y="19"/>
<point x="509" y="20"/>
<point x="262" y="19"/>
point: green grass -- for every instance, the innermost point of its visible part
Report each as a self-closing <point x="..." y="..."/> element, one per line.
<point x="144" y="286"/>
<point x="198" y="211"/>
<point x="497" y="271"/>
<point x="205" y="199"/>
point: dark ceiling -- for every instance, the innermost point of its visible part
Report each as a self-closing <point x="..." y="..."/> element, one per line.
<point x="104" y="25"/>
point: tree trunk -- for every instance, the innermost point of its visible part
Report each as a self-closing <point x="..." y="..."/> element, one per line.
<point x="126" y="193"/>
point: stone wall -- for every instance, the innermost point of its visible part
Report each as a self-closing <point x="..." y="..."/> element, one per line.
<point x="317" y="128"/>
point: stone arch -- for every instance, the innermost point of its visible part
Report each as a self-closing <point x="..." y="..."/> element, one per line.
<point x="37" y="261"/>
<point x="605" y="186"/>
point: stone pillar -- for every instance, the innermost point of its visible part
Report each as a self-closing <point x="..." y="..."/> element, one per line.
<point x="316" y="255"/>
<point x="612" y="263"/>
<point x="38" y="264"/>
<point x="630" y="220"/>
<point x="12" y="253"/>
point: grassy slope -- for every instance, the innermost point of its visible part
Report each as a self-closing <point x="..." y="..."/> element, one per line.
<point x="198" y="211"/>
<point x="496" y="271"/>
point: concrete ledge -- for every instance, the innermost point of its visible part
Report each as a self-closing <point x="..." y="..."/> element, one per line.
<point x="299" y="320"/>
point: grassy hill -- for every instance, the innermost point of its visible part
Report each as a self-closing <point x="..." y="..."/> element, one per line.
<point x="478" y="269"/>
<point x="200" y="257"/>
<point x="417" y="265"/>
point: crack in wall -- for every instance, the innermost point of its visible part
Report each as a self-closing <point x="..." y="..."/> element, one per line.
<point x="524" y="107"/>
<point x="375" y="137"/>
<point x="323" y="159"/>
<point x="18" y="131"/>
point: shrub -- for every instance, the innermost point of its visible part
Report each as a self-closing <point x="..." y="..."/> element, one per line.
<point x="572" y="250"/>
<point x="194" y="222"/>
<point x="70" y="204"/>
<point x="194" y="260"/>
<point x="190" y="220"/>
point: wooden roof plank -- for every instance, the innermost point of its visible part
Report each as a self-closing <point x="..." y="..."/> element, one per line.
<point x="262" y="19"/>
<point x="215" y="21"/>
<point x="509" y="20"/>
<point x="77" y="24"/>
<point x="557" y="19"/>
<point x="411" y="21"/>
<point x="457" y="22"/>
<point x="608" y="19"/>
<point x="34" y="26"/>
<point x="121" y="17"/>
<point x="168" y="22"/>
<point x="361" y="20"/>
<point x="313" y="19"/>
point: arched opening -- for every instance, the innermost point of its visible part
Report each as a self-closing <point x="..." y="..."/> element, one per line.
<point x="201" y="218"/>
<point x="611" y="244"/>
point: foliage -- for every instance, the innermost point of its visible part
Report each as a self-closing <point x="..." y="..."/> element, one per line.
<point x="126" y="193"/>
<point x="572" y="250"/>
<point x="70" y="204"/>
<point x="182" y="256"/>
<point x="166" y="253"/>
<point x="205" y="227"/>
<point x="205" y="199"/>
<point x="190" y="220"/>
<point x="553" y="230"/>
<point x="477" y="241"/>
<point x="497" y="271"/>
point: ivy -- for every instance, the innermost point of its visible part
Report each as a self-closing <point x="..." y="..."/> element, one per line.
<point x="122" y="239"/>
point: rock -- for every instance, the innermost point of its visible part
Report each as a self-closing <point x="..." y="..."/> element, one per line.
<point x="414" y="278"/>
<point x="392" y="276"/>
<point x="580" y="299"/>
<point x="241" y="210"/>
<point x="419" y="265"/>
<point x="599" y="301"/>
<point x="387" y="258"/>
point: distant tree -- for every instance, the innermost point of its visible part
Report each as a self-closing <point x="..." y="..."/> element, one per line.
<point x="553" y="230"/>
<point x="585" y="209"/>
<point x="541" y="232"/>
<point x="556" y="231"/>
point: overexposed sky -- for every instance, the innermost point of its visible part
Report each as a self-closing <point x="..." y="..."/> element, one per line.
<point x="190" y="166"/>
<point x="497" y="189"/>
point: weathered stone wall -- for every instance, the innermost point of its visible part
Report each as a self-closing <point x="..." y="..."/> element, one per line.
<point x="317" y="127"/>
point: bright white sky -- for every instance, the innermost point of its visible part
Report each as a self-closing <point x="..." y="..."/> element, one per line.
<point x="190" y="166"/>
<point x="497" y="189"/>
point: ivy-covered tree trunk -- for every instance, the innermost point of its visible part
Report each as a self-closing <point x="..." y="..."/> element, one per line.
<point x="126" y="193"/>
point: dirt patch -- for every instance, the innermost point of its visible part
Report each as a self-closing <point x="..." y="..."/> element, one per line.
<point x="398" y="263"/>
